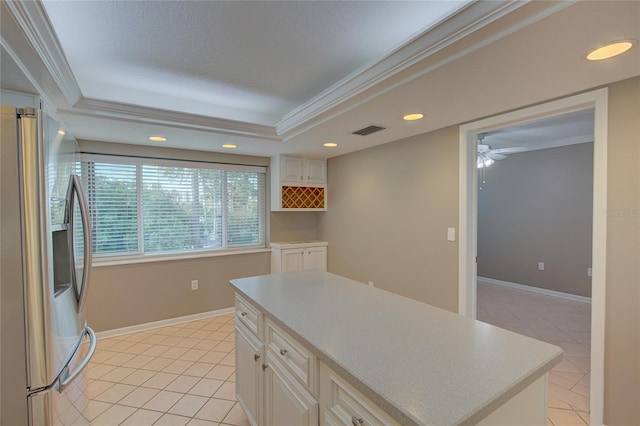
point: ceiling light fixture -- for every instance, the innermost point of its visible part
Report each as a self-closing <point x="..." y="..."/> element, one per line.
<point x="330" y="144"/>
<point x="610" y="50"/>
<point x="229" y="146"/>
<point x="157" y="138"/>
<point x="412" y="117"/>
<point x="484" y="161"/>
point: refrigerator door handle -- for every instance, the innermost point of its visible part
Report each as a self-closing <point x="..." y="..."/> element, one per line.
<point x="88" y="250"/>
<point x="65" y="377"/>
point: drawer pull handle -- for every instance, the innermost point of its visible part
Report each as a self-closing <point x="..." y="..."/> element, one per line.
<point x="264" y="367"/>
<point x="244" y="314"/>
<point x="256" y="357"/>
<point x="283" y="352"/>
<point x="355" y="421"/>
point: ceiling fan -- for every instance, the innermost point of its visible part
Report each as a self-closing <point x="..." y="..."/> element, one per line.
<point x="487" y="156"/>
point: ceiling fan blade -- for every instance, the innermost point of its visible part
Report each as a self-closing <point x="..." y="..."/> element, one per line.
<point x="510" y="150"/>
<point x="495" y="156"/>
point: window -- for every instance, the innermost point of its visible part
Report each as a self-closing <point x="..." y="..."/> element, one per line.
<point x="146" y="207"/>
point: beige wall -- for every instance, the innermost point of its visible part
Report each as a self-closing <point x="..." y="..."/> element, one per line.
<point x="126" y="295"/>
<point x="390" y="209"/>
<point x="622" y="333"/>
<point x="391" y="205"/>
<point x="293" y="226"/>
<point x="537" y="207"/>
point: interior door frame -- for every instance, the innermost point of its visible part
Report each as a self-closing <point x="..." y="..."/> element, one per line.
<point x="468" y="218"/>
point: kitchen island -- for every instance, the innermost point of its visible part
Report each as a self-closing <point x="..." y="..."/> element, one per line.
<point x="313" y="347"/>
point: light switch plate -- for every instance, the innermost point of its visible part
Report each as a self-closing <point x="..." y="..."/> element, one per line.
<point x="451" y="234"/>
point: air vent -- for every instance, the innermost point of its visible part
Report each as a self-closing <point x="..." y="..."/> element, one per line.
<point x="368" y="130"/>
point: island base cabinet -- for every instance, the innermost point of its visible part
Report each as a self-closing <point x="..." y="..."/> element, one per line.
<point x="249" y="356"/>
<point x="342" y="404"/>
<point x="287" y="403"/>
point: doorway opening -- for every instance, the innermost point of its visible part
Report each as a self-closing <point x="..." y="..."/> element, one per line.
<point x="468" y="218"/>
<point x="535" y="193"/>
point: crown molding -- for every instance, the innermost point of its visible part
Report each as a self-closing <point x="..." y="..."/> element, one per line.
<point x="449" y="31"/>
<point x="466" y="21"/>
<point x="36" y="27"/>
<point x="95" y="108"/>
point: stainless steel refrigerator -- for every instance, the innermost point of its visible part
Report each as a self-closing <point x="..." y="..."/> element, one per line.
<point x="45" y="269"/>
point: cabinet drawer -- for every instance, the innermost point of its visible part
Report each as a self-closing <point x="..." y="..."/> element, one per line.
<point x="296" y="359"/>
<point x="249" y="315"/>
<point x="342" y="404"/>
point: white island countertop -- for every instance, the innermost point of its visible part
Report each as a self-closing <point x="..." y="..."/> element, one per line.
<point x="419" y="363"/>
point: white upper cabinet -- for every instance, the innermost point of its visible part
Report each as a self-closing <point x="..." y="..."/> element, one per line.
<point x="291" y="169"/>
<point x="315" y="170"/>
<point x="301" y="170"/>
<point x="298" y="183"/>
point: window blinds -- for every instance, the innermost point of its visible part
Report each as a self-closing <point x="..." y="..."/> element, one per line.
<point x="146" y="206"/>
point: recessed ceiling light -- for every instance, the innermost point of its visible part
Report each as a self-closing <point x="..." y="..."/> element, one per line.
<point x="412" y="117"/>
<point x="61" y="132"/>
<point x="330" y="144"/>
<point x="229" y="146"/>
<point x="157" y="138"/>
<point x="610" y="50"/>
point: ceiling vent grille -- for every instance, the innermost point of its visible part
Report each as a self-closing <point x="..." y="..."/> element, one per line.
<point x="368" y="130"/>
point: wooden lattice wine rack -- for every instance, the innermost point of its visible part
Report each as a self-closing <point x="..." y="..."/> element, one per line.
<point x="302" y="197"/>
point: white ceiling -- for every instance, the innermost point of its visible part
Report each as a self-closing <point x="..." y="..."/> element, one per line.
<point x="284" y="77"/>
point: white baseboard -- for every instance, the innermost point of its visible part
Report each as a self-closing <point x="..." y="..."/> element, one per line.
<point x="536" y="290"/>
<point x="162" y="323"/>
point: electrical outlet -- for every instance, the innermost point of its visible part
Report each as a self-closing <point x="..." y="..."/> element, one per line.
<point x="590" y="272"/>
<point x="370" y="283"/>
<point x="540" y="266"/>
<point x="194" y="284"/>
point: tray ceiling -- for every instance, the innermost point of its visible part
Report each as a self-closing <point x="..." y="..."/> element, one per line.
<point x="250" y="61"/>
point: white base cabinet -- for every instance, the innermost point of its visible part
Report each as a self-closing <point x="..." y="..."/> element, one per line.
<point x="274" y="380"/>
<point x="249" y="354"/>
<point x="286" y="402"/>
<point x="342" y="404"/>
<point x="298" y="256"/>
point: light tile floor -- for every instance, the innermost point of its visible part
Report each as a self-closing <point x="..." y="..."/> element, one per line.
<point x="562" y="322"/>
<point x="177" y="375"/>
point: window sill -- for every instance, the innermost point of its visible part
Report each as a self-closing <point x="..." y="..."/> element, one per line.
<point x="173" y="257"/>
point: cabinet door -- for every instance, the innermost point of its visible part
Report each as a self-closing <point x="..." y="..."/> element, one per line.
<point x="286" y="402"/>
<point x="292" y="260"/>
<point x="249" y="359"/>
<point x="316" y="259"/>
<point x="291" y="169"/>
<point x="315" y="170"/>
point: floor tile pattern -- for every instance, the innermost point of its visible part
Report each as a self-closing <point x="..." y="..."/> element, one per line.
<point x="178" y="375"/>
<point x="562" y="322"/>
